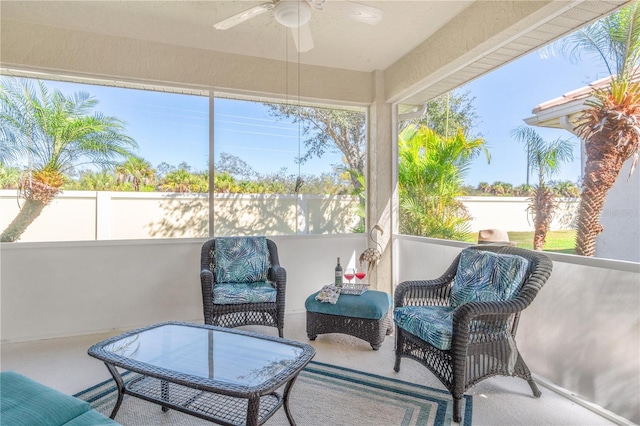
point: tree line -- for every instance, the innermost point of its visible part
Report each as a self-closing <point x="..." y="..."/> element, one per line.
<point x="565" y="188"/>
<point x="136" y="174"/>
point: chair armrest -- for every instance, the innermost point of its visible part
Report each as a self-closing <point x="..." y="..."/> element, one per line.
<point x="470" y="310"/>
<point x="494" y="315"/>
<point x="206" y="282"/>
<point x="278" y="275"/>
<point x="426" y="292"/>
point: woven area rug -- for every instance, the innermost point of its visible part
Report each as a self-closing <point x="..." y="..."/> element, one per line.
<point x="322" y="395"/>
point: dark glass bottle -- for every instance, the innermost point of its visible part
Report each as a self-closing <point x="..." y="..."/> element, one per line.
<point x="338" y="282"/>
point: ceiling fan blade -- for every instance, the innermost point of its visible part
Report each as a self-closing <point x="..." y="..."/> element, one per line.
<point x="363" y="13"/>
<point x="234" y="20"/>
<point x="317" y="4"/>
<point x="302" y="38"/>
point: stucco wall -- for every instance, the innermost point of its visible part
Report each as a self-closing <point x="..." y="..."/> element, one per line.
<point x="621" y="219"/>
<point x="512" y="214"/>
<point x="103" y="215"/>
<point x="89" y="215"/>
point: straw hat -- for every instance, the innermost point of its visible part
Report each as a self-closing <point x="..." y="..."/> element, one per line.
<point x="488" y="236"/>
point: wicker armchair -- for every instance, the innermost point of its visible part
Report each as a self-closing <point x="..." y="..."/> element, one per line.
<point x="237" y="314"/>
<point x="482" y="334"/>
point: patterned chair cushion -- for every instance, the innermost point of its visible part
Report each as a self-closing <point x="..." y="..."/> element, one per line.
<point x="433" y="324"/>
<point x="234" y="293"/>
<point x="484" y="276"/>
<point x="241" y="259"/>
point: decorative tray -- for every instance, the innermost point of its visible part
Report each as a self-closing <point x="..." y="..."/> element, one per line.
<point x="354" y="289"/>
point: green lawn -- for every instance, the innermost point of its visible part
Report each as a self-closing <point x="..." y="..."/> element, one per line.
<point x="558" y="241"/>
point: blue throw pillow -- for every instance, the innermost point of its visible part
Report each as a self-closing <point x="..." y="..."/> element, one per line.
<point x="241" y="259"/>
<point x="487" y="276"/>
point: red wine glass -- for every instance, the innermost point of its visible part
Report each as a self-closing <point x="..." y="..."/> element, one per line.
<point x="360" y="274"/>
<point x="349" y="274"/>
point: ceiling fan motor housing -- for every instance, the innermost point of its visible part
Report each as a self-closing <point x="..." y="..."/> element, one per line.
<point x="292" y="14"/>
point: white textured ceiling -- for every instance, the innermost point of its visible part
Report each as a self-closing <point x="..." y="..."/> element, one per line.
<point x="424" y="47"/>
<point x="339" y="41"/>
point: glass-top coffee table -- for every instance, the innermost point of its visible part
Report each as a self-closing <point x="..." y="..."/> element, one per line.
<point x="222" y="375"/>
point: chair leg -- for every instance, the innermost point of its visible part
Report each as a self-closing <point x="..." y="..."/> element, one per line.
<point x="399" y="344"/>
<point x="534" y="388"/>
<point x="527" y="376"/>
<point x="457" y="417"/>
<point x="396" y="366"/>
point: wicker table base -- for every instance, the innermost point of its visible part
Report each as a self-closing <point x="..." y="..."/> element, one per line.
<point x="370" y="330"/>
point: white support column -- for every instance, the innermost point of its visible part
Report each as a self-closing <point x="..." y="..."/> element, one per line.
<point x="381" y="160"/>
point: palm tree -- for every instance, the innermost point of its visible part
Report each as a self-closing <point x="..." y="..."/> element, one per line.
<point x="430" y="178"/>
<point x="182" y="180"/>
<point x="10" y="149"/>
<point x="545" y="158"/>
<point x="94" y="181"/>
<point x="609" y="126"/>
<point x="137" y="171"/>
<point x="524" y="190"/>
<point x="567" y="189"/>
<point x="57" y="134"/>
<point x="484" y="187"/>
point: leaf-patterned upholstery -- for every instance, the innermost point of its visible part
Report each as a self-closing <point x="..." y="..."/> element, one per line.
<point x="242" y="282"/>
<point x="241" y="260"/>
<point x="462" y="325"/>
<point x="483" y="276"/>
<point x="433" y="324"/>
<point x="229" y="293"/>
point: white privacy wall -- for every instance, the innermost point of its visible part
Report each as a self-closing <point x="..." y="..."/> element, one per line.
<point x="105" y="215"/>
<point x="621" y="218"/>
<point x="512" y="213"/>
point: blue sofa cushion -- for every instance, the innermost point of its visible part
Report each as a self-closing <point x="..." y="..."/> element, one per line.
<point x="241" y="259"/>
<point x="91" y="418"/>
<point x="484" y="276"/>
<point x="25" y="402"/>
<point x="234" y="293"/>
<point x="433" y="324"/>
<point x="369" y="305"/>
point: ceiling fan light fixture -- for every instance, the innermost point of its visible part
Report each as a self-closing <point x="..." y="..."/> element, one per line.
<point x="292" y="14"/>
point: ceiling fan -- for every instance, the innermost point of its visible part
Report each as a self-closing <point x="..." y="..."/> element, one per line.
<point x="295" y="14"/>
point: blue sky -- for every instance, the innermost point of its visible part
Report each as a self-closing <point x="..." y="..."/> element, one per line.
<point x="173" y="128"/>
<point x="506" y="96"/>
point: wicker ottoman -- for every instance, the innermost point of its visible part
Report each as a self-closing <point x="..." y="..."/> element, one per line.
<point x="367" y="317"/>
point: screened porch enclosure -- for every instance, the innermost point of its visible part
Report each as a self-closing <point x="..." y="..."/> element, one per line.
<point x="582" y="332"/>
